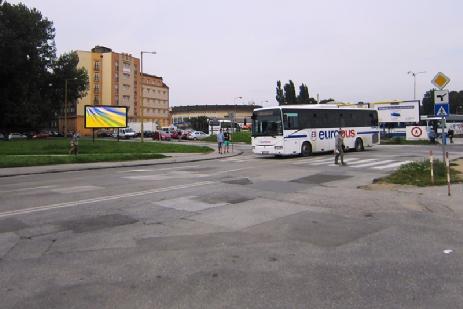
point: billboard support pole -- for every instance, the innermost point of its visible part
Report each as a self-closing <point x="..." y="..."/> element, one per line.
<point x="117" y="134"/>
<point x="93" y="131"/>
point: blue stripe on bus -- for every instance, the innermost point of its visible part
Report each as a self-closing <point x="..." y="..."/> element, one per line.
<point x="295" y="136"/>
<point x="368" y="132"/>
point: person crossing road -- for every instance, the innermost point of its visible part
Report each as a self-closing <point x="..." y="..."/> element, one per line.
<point x="338" y="147"/>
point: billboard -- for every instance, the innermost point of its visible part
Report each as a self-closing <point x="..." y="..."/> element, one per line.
<point x="401" y="111"/>
<point x="105" y="116"/>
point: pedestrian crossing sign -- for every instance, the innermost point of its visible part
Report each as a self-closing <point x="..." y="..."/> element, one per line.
<point x="441" y="110"/>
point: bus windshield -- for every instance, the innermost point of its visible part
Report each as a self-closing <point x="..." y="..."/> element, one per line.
<point x="267" y="123"/>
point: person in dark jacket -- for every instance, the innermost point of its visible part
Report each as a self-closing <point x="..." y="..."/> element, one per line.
<point x="338" y="147"/>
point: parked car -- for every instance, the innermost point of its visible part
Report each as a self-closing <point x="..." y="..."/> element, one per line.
<point x="3" y="137"/>
<point x="161" y="135"/>
<point x="56" y="134"/>
<point x="104" y="133"/>
<point x="148" y="133"/>
<point x="41" y="135"/>
<point x="185" y="134"/>
<point x="197" y="135"/>
<point x="13" y="136"/>
<point x="125" y="133"/>
<point x="176" y="134"/>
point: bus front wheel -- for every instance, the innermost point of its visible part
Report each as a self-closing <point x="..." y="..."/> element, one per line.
<point x="306" y="149"/>
<point x="359" y="145"/>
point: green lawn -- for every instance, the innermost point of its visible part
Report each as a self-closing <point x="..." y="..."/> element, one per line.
<point x="419" y="174"/>
<point x="55" y="151"/>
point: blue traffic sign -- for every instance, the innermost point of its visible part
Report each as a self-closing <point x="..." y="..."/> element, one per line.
<point x="441" y="110"/>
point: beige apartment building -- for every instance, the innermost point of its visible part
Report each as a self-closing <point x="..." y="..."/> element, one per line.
<point x="115" y="79"/>
<point x="241" y="113"/>
<point x="155" y="98"/>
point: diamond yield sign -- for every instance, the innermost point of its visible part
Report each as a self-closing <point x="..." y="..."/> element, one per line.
<point x="440" y="80"/>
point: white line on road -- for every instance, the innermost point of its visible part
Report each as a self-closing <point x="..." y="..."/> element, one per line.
<point x="391" y="165"/>
<point x="373" y="163"/>
<point x="235" y="170"/>
<point x="158" y="169"/>
<point x="100" y="199"/>
<point x="28" y="189"/>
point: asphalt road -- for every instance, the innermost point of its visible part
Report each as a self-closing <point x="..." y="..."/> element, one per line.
<point x="241" y="232"/>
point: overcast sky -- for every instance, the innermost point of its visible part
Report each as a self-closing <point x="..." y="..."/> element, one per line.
<point x="210" y="52"/>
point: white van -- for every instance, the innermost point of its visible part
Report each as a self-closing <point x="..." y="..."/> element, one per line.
<point x="125" y="133"/>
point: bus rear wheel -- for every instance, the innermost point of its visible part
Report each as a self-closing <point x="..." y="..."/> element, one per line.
<point x="359" y="145"/>
<point x="306" y="149"/>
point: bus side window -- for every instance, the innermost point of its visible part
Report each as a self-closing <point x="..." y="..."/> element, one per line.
<point x="291" y="121"/>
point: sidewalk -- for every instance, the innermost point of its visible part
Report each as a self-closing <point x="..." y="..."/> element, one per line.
<point x="172" y="158"/>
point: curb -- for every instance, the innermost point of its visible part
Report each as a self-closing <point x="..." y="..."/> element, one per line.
<point x="119" y="165"/>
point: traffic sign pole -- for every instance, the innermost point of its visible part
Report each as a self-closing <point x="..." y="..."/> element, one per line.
<point x="443" y="138"/>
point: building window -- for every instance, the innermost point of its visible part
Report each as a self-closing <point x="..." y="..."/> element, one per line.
<point x="97" y="65"/>
<point x="126" y="68"/>
<point x="96" y="77"/>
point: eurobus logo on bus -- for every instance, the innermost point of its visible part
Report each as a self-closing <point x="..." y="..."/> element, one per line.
<point x="327" y="134"/>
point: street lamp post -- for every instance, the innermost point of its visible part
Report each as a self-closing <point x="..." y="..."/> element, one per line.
<point x="141" y="95"/>
<point x="234" y="116"/>
<point x="414" y="81"/>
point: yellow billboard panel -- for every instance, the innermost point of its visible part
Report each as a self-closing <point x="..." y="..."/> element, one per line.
<point x="105" y="116"/>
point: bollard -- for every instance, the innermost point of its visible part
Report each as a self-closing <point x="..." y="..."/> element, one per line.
<point x="431" y="161"/>
<point x="447" y="162"/>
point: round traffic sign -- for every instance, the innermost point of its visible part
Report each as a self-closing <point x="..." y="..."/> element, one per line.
<point x="416" y="131"/>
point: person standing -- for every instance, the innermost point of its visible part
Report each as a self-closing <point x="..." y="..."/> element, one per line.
<point x="338" y="147"/>
<point x="74" y="143"/>
<point x="450" y="133"/>
<point x="220" y="140"/>
<point x="226" y="140"/>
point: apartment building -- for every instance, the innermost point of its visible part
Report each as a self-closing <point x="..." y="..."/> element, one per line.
<point x="155" y="99"/>
<point x="115" y="79"/>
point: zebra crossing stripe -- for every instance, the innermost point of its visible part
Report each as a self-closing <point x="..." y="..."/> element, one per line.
<point x="355" y="161"/>
<point x="310" y="161"/>
<point x="396" y="164"/>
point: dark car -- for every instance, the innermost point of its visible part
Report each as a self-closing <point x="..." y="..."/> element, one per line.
<point x="148" y="133"/>
<point x="104" y="133"/>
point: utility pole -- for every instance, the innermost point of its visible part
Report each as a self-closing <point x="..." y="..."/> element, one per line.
<point x="414" y="81"/>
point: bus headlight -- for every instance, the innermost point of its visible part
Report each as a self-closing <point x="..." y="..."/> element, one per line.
<point x="278" y="147"/>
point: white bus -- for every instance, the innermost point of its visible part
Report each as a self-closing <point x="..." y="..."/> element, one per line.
<point x="303" y="129"/>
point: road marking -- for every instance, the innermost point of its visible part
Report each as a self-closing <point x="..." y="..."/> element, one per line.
<point x="158" y="169"/>
<point x="28" y="189"/>
<point x="75" y="189"/>
<point x="372" y="163"/>
<point x="235" y="170"/>
<point x="355" y="161"/>
<point x="100" y="199"/>
<point x="391" y="165"/>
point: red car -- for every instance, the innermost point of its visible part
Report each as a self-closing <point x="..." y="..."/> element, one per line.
<point x="176" y="135"/>
<point x="41" y="135"/>
<point x="164" y="136"/>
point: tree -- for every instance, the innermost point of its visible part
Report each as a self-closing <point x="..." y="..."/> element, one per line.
<point x="427" y="106"/>
<point x="31" y="81"/>
<point x="280" y="97"/>
<point x="326" y="101"/>
<point x="456" y="102"/>
<point x="290" y="93"/>
<point x="303" y="97"/>
<point x="65" y="68"/>
<point x="199" y="123"/>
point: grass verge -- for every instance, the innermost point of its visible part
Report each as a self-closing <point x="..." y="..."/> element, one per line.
<point x="419" y="174"/>
<point x="55" y="151"/>
<point x="402" y="141"/>
<point x="238" y="137"/>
